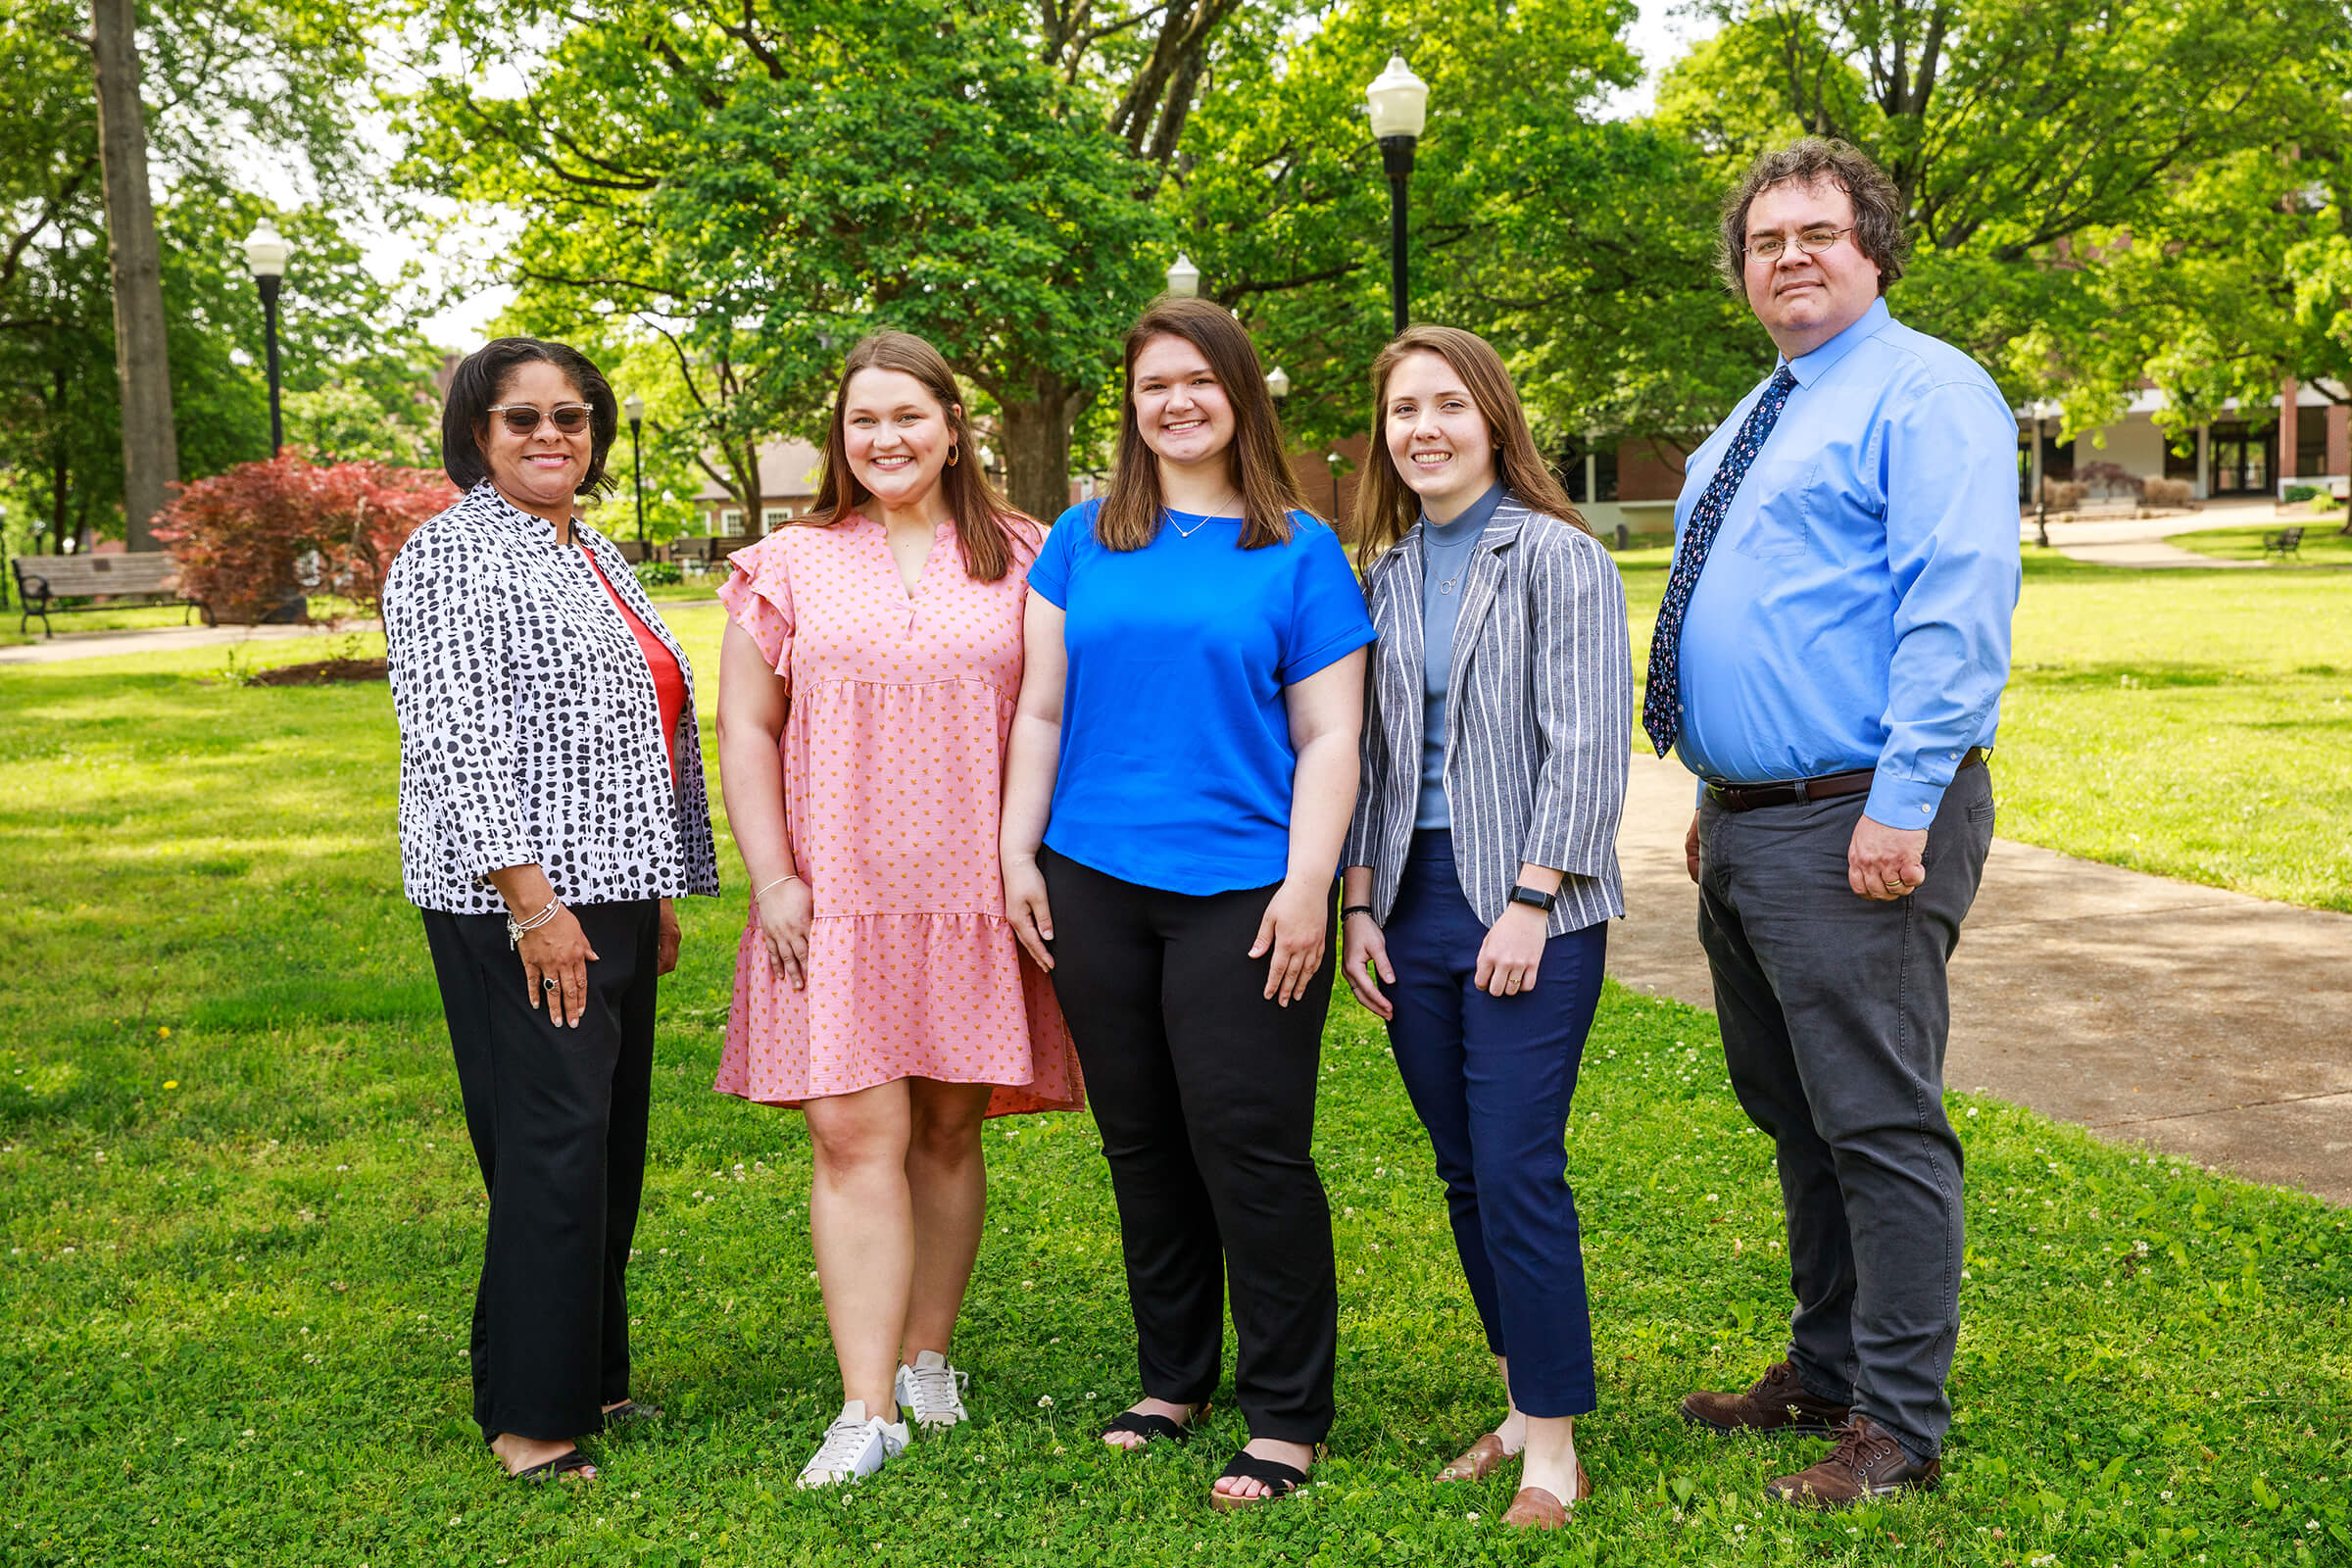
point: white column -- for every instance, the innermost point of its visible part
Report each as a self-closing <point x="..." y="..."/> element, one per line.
<point x="2204" y="461"/>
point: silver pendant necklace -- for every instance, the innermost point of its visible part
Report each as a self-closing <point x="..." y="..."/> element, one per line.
<point x="1182" y="532"/>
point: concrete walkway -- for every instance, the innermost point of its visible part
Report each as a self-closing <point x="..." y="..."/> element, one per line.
<point x="161" y="639"/>
<point x="2140" y="541"/>
<point x="2209" y="1024"/>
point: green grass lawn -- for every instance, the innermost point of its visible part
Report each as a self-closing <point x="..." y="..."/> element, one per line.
<point x="694" y="590"/>
<point x="242" y="1221"/>
<point x="2194" y="724"/>
<point x="110" y="618"/>
<point x="2322" y="545"/>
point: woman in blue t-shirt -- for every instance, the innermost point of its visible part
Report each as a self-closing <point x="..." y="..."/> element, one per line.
<point x="1182" y="769"/>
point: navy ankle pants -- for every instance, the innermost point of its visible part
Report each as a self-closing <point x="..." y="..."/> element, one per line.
<point x="1492" y="1078"/>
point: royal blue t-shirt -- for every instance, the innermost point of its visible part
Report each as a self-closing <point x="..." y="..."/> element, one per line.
<point x="1176" y="756"/>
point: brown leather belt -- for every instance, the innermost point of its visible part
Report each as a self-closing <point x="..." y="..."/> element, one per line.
<point x="1797" y="791"/>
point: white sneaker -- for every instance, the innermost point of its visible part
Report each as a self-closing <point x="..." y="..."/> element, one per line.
<point x="853" y="1448"/>
<point x="931" y="1392"/>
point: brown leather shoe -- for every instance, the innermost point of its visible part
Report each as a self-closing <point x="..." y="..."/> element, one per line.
<point x="1777" y="1404"/>
<point x="1535" y="1508"/>
<point x="1866" y="1463"/>
<point x="1476" y="1462"/>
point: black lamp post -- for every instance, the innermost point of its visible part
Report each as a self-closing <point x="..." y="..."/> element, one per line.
<point x="2041" y="493"/>
<point x="634" y="408"/>
<point x="1398" y="104"/>
<point x="1332" y="458"/>
<point x="266" y="253"/>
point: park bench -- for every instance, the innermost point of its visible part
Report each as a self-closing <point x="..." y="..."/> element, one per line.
<point x="44" y="580"/>
<point x="2283" y="543"/>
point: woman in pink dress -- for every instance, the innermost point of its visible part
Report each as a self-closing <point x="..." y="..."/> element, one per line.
<point x="867" y="691"/>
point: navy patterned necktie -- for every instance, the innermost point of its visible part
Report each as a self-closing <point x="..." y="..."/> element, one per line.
<point x="1661" y="703"/>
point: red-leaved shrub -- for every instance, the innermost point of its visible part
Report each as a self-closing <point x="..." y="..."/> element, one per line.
<point x="240" y="537"/>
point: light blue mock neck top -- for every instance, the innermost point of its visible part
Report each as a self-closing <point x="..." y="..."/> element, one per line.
<point x="1445" y="552"/>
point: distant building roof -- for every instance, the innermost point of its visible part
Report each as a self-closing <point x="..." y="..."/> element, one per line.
<point x="788" y="471"/>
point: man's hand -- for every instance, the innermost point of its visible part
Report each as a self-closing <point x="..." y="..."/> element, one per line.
<point x="1690" y="847"/>
<point x="1884" y="863"/>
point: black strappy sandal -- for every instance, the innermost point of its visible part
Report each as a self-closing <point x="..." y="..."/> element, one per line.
<point x="1279" y="1478"/>
<point x="1153" y="1427"/>
<point x="563" y="1464"/>
<point x="628" y="1412"/>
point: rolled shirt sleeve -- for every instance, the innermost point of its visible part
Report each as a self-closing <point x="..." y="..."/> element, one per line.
<point x="1948" y="467"/>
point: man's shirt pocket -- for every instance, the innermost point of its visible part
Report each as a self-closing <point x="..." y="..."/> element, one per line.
<point x="1783" y="495"/>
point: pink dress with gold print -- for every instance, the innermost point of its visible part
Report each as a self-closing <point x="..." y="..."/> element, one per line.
<point x="894" y="766"/>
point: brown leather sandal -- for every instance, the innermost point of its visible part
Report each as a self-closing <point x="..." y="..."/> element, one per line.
<point x="1478" y="1462"/>
<point x="1535" y="1508"/>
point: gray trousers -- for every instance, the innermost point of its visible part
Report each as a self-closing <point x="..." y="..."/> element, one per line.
<point x="1834" y="1013"/>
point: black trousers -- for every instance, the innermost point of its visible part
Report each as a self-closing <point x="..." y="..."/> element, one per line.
<point x="558" y="1122"/>
<point x="1205" y="1094"/>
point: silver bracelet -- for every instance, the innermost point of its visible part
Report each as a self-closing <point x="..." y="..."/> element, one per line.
<point x="789" y="876"/>
<point x="515" y="928"/>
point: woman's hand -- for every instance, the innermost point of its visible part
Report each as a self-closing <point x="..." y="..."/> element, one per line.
<point x="667" y="944"/>
<point x="1293" y="930"/>
<point x="1363" y="943"/>
<point x="1025" y="907"/>
<point x="555" y="968"/>
<point x="1513" y="950"/>
<point x="784" y="915"/>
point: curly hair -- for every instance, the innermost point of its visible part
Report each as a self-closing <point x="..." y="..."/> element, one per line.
<point x="1812" y="161"/>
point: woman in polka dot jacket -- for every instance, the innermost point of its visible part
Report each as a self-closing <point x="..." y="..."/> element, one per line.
<point x="551" y="807"/>
<point x="866" y="690"/>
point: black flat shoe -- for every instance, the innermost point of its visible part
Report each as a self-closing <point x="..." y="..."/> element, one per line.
<point x="1281" y="1480"/>
<point x="563" y="1464"/>
<point x="1153" y="1427"/>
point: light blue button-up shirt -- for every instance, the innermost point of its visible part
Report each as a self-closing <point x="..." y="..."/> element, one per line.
<point x="1854" y="610"/>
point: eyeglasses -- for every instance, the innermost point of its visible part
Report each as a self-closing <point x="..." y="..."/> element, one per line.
<point x="1811" y="241"/>
<point x="522" y="419"/>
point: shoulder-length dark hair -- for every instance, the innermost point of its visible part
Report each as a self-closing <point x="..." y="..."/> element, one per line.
<point x="986" y="524"/>
<point x="1269" y="491"/>
<point x="1388" y="507"/>
<point x="479" y="381"/>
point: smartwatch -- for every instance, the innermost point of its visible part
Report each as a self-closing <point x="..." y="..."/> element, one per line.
<point x="1535" y="900"/>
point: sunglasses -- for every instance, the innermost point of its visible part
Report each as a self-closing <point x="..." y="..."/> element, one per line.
<point x="522" y="419"/>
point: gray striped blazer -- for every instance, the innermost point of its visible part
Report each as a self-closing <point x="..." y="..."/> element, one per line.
<point x="1539" y="714"/>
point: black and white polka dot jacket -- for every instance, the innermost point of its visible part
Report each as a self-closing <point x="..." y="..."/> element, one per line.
<point x="529" y="731"/>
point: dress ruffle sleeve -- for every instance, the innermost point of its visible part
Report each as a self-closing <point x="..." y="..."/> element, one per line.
<point x="757" y="594"/>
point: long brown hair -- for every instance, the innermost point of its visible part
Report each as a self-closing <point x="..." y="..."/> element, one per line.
<point x="1269" y="491"/>
<point x="986" y="524"/>
<point x="1386" y="508"/>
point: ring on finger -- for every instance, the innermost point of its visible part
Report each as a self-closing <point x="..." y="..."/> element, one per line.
<point x="548" y="982"/>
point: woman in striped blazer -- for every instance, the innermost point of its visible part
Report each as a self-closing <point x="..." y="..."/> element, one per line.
<point x="1481" y="863"/>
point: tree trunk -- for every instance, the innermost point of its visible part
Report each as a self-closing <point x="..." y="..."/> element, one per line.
<point x="57" y="496"/>
<point x="1037" y="442"/>
<point x="142" y="358"/>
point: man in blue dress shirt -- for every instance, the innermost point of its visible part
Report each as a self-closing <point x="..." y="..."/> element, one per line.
<point x="1829" y="661"/>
